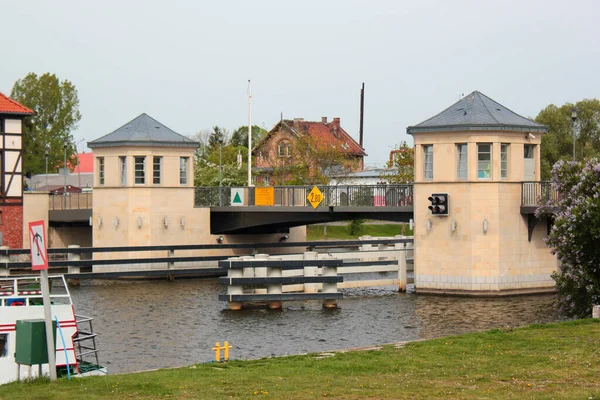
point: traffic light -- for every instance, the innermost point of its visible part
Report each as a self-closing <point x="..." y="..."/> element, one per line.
<point x="439" y="204"/>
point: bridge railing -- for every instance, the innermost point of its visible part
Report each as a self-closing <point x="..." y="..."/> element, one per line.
<point x="535" y="193"/>
<point x="72" y="201"/>
<point x="339" y="195"/>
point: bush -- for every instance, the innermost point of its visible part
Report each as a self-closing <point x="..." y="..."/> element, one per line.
<point x="355" y="227"/>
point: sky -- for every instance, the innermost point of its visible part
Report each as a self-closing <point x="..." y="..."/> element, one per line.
<point x="187" y="63"/>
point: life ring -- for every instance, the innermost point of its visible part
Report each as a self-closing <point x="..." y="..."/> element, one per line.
<point x="17" y="303"/>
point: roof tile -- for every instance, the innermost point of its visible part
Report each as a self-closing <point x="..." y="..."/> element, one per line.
<point x="9" y="106"/>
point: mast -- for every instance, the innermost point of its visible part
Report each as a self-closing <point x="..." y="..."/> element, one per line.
<point x="362" y="110"/>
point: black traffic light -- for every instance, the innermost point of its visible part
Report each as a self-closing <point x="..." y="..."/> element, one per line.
<point x="439" y="204"/>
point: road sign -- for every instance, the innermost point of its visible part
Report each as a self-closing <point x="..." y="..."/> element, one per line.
<point x="37" y="242"/>
<point x="237" y="197"/>
<point x="315" y="197"/>
<point x="264" y="196"/>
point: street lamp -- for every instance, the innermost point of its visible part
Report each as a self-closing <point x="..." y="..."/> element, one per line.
<point x="574" y="118"/>
<point x="220" y="170"/>
<point x="47" y="152"/>
<point x="65" y="143"/>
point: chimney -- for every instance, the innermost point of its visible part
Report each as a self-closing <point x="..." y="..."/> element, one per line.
<point x="336" y="122"/>
<point x="298" y="121"/>
<point x="336" y="126"/>
<point x="324" y="120"/>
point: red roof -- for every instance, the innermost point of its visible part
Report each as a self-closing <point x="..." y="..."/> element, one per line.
<point x="9" y="106"/>
<point x="326" y="135"/>
<point x="86" y="163"/>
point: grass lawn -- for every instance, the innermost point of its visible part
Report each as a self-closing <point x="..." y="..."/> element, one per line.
<point x="542" y="361"/>
<point x="341" y="232"/>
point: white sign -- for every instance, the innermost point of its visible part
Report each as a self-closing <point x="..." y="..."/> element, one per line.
<point x="237" y="197"/>
<point x="37" y="243"/>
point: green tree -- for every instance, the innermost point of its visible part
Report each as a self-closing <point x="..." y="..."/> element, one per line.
<point x="211" y="156"/>
<point x="401" y="165"/>
<point x="56" y="107"/>
<point x="575" y="234"/>
<point x="239" y="137"/>
<point x="557" y="144"/>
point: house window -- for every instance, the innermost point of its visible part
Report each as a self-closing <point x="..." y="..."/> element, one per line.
<point x="284" y="149"/>
<point x="428" y="161"/>
<point x="157" y="162"/>
<point x="123" y="168"/>
<point x="183" y="168"/>
<point x="462" y="170"/>
<point x="101" y="170"/>
<point x="267" y="180"/>
<point x="504" y="160"/>
<point x="484" y="160"/>
<point x="140" y="170"/>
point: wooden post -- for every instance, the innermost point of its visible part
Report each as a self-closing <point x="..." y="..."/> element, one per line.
<point x="365" y="247"/>
<point x="73" y="269"/>
<point x="171" y="265"/>
<point x="276" y="288"/>
<point x="330" y="287"/>
<point x="261" y="272"/>
<point x="4" y="259"/>
<point x="402" y="272"/>
<point x="310" y="271"/>
<point x="234" y="289"/>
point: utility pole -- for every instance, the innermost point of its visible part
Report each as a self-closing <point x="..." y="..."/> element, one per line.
<point x="573" y="119"/>
<point x="249" y="133"/>
<point x="65" y="174"/>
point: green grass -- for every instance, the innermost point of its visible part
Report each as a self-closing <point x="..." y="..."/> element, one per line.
<point x="539" y="362"/>
<point x="341" y="232"/>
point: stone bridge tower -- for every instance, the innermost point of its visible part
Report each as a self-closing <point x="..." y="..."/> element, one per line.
<point x="479" y="153"/>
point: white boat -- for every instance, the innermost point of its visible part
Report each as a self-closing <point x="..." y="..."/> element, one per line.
<point x="21" y="299"/>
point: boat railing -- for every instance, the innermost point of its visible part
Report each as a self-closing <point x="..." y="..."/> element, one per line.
<point x="85" y="343"/>
<point x="26" y="291"/>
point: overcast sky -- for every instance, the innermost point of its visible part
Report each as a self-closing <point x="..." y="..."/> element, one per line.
<point x="187" y="63"/>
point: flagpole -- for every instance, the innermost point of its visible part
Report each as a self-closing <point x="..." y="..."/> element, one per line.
<point x="249" y="133"/>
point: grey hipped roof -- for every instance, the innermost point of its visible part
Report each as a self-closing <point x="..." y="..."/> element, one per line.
<point x="143" y="131"/>
<point x="477" y="112"/>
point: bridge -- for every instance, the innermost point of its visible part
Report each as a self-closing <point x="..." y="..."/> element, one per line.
<point x="290" y="206"/>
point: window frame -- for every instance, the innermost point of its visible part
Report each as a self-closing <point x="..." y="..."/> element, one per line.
<point x="488" y="171"/>
<point x="123" y="169"/>
<point x="101" y="171"/>
<point x="464" y="161"/>
<point x="142" y="177"/>
<point x="183" y="170"/>
<point x="154" y="170"/>
<point x="425" y="148"/>
<point x="504" y="164"/>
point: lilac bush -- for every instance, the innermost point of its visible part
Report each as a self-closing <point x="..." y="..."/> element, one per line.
<point x="575" y="235"/>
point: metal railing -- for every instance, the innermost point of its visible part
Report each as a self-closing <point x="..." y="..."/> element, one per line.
<point x="536" y="193"/>
<point x="72" y="201"/>
<point x="340" y="195"/>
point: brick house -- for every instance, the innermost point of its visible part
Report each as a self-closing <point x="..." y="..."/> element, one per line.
<point x="11" y="171"/>
<point x="305" y="152"/>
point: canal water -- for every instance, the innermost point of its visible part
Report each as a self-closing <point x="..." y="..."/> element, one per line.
<point x="158" y="324"/>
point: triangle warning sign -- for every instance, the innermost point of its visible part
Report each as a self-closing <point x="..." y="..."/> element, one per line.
<point x="237" y="198"/>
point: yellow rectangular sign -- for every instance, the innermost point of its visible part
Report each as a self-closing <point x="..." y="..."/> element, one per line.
<point x="264" y="196"/>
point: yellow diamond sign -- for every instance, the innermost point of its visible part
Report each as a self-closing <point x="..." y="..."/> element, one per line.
<point x="315" y="197"/>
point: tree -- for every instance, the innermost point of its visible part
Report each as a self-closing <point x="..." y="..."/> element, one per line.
<point x="56" y="107"/>
<point x="239" y="137"/>
<point x="401" y="165"/>
<point x="557" y="144"/>
<point x="575" y="235"/>
<point x="210" y="156"/>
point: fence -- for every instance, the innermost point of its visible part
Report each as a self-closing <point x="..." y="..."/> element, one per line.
<point x="340" y="195"/>
<point x="167" y="267"/>
<point x="536" y="193"/>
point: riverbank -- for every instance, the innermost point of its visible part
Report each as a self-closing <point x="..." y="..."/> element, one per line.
<point x="541" y="361"/>
<point x="341" y="231"/>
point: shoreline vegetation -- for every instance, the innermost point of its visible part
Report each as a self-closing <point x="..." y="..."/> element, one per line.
<point x="560" y="360"/>
<point x="341" y="231"/>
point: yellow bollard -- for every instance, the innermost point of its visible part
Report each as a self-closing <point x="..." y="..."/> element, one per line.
<point x="226" y="348"/>
<point x="217" y="350"/>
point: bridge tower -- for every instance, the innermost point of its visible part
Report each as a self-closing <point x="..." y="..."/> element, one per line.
<point x="11" y="171"/>
<point x="144" y="186"/>
<point x="479" y="153"/>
